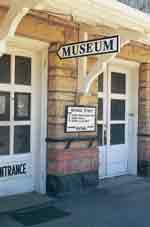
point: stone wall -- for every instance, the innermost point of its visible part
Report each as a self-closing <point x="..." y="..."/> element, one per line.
<point x="68" y="167"/>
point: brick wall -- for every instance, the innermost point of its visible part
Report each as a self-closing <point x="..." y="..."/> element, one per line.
<point x="72" y="161"/>
<point x="62" y="91"/>
<point x="144" y="120"/>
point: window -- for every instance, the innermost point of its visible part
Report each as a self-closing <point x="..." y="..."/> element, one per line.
<point x="100" y="135"/>
<point x="117" y="134"/>
<point x="100" y="83"/>
<point x="22" y="106"/>
<point x="4" y="140"/>
<point x="117" y="110"/>
<point x="4" y="106"/>
<point x="100" y="109"/>
<point x="5" y="69"/>
<point x="118" y="83"/>
<point x="15" y="104"/>
<point x="22" y="70"/>
<point x="22" y="139"/>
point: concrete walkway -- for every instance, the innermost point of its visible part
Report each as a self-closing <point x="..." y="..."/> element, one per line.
<point x="117" y="202"/>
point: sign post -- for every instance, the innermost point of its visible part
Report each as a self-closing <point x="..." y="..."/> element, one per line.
<point x="104" y="45"/>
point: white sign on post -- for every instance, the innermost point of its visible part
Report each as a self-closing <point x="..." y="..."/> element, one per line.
<point x="80" y="119"/>
<point x="104" y="45"/>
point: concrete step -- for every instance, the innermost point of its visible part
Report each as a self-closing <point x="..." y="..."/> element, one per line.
<point x="22" y="201"/>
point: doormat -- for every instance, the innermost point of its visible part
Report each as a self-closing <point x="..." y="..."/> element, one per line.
<point x="34" y="216"/>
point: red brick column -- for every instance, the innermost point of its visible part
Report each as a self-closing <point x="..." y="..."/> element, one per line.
<point x="144" y="120"/>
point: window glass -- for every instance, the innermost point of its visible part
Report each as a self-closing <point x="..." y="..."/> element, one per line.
<point x="117" y="110"/>
<point x="22" y="106"/>
<point x="117" y="134"/>
<point x="22" y="139"/>
<point x="100" y="83"/>
<point x="4" y="140"/>
<point x="118" y="83"/>
<point x="4" y="106"/>
<point x="5" y="69"/>
<point x="22" y="70"/>
<point x="100" y="134"/>
<point x="100" y="109"/>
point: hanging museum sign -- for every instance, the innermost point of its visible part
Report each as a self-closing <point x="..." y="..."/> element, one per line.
<point x="104" y="45"/>
<point x="80" y="119"/>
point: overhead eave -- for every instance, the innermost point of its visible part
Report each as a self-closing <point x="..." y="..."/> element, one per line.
<point x="96" y="12"/>
<point x="99" y="12"/>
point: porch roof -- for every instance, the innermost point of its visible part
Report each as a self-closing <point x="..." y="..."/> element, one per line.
<point x="96" y="12"/>
<point x="99" y="12"/>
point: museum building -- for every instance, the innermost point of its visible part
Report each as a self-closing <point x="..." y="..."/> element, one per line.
<point x="65" y="124"/>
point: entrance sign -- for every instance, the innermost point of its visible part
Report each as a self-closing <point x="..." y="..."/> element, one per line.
<point x="13" y="170"/>
<point x="80" y="119"/>
<point x="104" y="45"/>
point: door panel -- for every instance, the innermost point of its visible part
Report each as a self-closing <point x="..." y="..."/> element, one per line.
<point x="117" y="155"/>
<point x="102" y="133"/>
<point x="113" y="127"/>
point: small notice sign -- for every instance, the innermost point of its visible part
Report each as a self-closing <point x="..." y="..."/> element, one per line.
<point x="80" y="119"/>
<point x="104" y="45"/>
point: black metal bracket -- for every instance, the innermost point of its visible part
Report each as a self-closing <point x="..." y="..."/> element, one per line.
<point x="69" y="140"/>
<point x="143" y="135"/>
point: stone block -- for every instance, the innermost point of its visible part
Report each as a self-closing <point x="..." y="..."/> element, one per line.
<point x="61" y="96"/>
<point x="57" y="108"/>
<point x="40" y="29"/>
<point x="62" y="84"/>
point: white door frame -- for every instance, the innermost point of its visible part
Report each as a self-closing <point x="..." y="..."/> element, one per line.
<point x="40" y="49"/>
<point x="126" y="66"/>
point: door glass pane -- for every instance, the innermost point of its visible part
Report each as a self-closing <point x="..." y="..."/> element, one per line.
<point x="5" y="69"/>
<point x="22" y="139"/>
<point x="22" y="70"/>
<point x="117" y="110"/>
<point x="117" y="133"/>
<point x="22" y="106"/>
<point x="100" y="83"/>
<point x="100" y="109"/>
<point x="4" y="140"/>
<point x="4" y="106"/>
<point x="100" y="135"/>
<point x="118" y="83"/>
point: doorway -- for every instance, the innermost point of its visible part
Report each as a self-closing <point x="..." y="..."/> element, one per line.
<point x="22" y="121"/>
<point x="117" y="119"/>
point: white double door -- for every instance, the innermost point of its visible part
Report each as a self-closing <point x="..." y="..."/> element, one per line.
<point x="117" y="114"/>
<point x="20" y="122"/>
